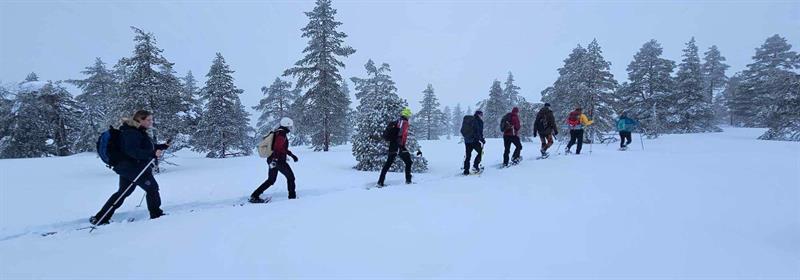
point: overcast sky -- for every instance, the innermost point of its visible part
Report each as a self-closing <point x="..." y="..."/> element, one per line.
<point x="458" y="46"/>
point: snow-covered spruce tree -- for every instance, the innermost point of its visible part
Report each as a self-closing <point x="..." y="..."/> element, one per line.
<point x="448" y="121"/>
<point x="713" y="70"/>
<point x="429" y="120"/>
<point x="511" y="92"/>
<point x="494" y="108"/>
<point x="351" y="115"/>
<point x="585" y="80"/>
<point x="738" y="106"/>
<point x="149" y="83"/>
<point x="527" y="115"/>
<point x="45" y="121"/>
<point x="99" y="88"/>
<point x="193" y="106"/>
<point x="458" y="117"/>
<point x="275" y="105"/>
<point x="32" y="77"/>
<point x="6" y="105"/>
<point x="689" y="110"/>
<point x="325" y="117"/>
<point x="770" y="83"/>
<point x="378" y="105"/>
<point x="223" y="129"/>
<point x="650" y="83"/>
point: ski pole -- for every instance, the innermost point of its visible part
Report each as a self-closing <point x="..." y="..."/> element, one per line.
<point x="641" y="140"/>
<point x="591" y="140"/>
<point x="141" y="200"/>
<point x="121" y="195"/>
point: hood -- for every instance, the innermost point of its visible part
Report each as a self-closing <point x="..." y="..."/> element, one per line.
<point x="515" y="111"/>
<point x="130" y="122"/>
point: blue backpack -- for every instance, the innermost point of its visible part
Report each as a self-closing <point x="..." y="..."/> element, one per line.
<point x="108" y="147"/>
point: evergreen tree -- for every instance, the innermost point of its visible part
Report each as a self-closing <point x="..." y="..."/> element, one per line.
<point x="193" y="106"/>
<point x="6" y="106"/>
<point x="494" y="108"/>
<point x="645" y="97"/>
<point x="325" y="117"/>
<point x="447" y="116"/>
<point x="32" y="77"/>
<point x="44" y="121"/>
<point x="275" y="105"/>
<point x="527" y="115"/>
<point x="713" y="70"/>
<point x="430" y="119"/>
<point x="739" y="107"/>
<point x="99" y="88"/>
<point x="223" y="130"/>
<point x="378" y="105"/>
<point x="458" y="117"/>
<point x="511" y="92"/>
<point x="148" y="83"/>
<point x="690" y="110"/>
<point x="770" y="84"/>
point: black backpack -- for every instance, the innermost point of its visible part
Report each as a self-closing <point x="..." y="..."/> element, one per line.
<point x="390" y="132"/>
<point x="467" y="127"/>
<point x="505" y="123"/>
<point x="109" y="148"/>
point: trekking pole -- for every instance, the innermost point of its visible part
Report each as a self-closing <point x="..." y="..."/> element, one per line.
<point x="559" y="145"/>
<point x="122" y="194"/>
<point x="591" y="140"/>
<point x="641" y="140"/>
<point x="141" y="200"/>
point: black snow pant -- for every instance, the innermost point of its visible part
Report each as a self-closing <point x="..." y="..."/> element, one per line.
<point x="623" y="136"/>
<point x="575" y="135"/>
<point x="405" y="156"/>
<point x="283" y="167"/>
<point x="468" y="148"/>
<point x="507" y="141"/>
<point x="147" y="182"/>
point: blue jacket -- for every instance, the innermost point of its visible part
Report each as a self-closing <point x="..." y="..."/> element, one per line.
<point x="477" y="128"/>
<point x="137" y="149"/>
<point x="626" y="124"/>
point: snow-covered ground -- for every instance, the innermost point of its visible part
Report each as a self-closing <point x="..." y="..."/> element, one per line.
<point x="720" y="205"/>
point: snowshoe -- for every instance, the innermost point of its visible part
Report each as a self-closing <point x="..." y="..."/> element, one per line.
<point x="254" y="199"/>
<point x="567" y="152"/>
<point x="477" y="170"/>
<point x="95" y="221"/>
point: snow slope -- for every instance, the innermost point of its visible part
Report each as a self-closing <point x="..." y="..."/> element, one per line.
<point x="720" y="205"/>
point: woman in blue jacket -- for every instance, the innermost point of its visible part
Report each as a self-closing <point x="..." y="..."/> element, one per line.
<point x="624" y="126"/>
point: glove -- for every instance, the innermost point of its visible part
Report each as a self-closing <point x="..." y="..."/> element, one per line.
<point x="419" y="153"/>
<point x="555" y="132"/>
<point x="534" y="133"/>
<point x="483" y="141"/>
<point x="294" y="157"/>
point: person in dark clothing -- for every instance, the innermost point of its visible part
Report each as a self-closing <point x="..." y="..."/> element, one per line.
<point x="511" y="126"/>
<point x="624" y="126"/>
<point x="474" y="142"/>
<point x="398" y="146"/>
<point x="576" y="121"/>
<point x="137" y="152"/>
<point x="278" y="163"/>
<point x="545" y="127"/>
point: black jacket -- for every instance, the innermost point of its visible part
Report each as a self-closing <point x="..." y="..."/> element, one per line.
<point x="137" y="150"/>
<point x="477" y="130"/>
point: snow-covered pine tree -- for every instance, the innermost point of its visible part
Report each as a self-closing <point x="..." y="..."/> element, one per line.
<point x="737" y="106"/>
<point x="99" y="88"/>
<point x="770" y="83"/>
<point x="650" y="83"/>
<point x="45" y="121"/>
<point x="149" y="83"/>
<point x="689" y="110"/>
<point x="275" y="105"/>
<point x="447" y="116"/>
<point x="223" y="129"/>
<point x="511" y="92"/>
<point x="494" y="108"/>
<point x="527" y="115"/>
<point x="6" y="104"/>
<point x="32" y="77"/>
<point x="190" y="95"/>
<point x="429" y="120"/>
<point x="325" y="118"/>
<point x="458" y="117"/>
<point x="378" y="105"/>
<point x="351" y="113"/>
<point x="713" y="70"/>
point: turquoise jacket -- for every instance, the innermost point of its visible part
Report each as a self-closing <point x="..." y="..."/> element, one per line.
<point x="626" y="124"/>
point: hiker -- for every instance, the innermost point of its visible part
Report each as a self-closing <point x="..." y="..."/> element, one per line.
<point x="397" y="135"/>
<point x="510" y="125"/>
<point x="137" y="153"/>
<point x="278" y="162"/>
<point x="545" y="127"/>
<point x="472" y="131"/>
<point x="576" y="121"/>
<point x="624" y="126"/>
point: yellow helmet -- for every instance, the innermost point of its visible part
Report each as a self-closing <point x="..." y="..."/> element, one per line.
<point x="406" y="112"/>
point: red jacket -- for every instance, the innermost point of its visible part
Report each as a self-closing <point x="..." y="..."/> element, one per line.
<point x="515" y="124"/>
<point x="402" y="125"/>
<point x="280" y="145"/>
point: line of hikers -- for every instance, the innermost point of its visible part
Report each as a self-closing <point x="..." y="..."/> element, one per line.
<point x="132" y="154"/>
